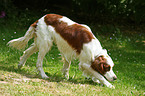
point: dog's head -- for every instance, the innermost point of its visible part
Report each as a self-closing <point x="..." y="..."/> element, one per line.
<point x="104" y="65"/>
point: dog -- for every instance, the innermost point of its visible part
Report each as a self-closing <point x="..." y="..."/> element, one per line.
<point x="73" y="41"/>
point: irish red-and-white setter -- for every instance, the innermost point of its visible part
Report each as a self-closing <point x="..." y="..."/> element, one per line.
<point x="73" y="41"/>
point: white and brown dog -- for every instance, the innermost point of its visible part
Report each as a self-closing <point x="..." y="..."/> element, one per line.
<point x="73" y="41"/>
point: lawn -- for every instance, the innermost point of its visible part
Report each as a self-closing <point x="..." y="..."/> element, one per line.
<point x="126" y="47"/>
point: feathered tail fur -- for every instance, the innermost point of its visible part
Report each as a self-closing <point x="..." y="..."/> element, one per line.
<point x="21" y="42"/>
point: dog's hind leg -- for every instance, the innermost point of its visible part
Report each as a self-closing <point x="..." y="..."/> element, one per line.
<point x="66" y="67"/>
<point x="42" y="52"/>
<point x="27" y="54"/>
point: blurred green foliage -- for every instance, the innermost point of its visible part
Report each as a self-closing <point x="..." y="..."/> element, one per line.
<point x="91" y="11"/>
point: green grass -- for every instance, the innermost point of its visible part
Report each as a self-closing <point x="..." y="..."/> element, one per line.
<point x="126" y="50"/>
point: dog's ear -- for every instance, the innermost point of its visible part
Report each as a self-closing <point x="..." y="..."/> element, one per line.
<point x="95" y="64"/>
<point x="100" y="65"/>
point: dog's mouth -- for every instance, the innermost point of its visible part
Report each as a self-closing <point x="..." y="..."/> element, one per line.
<point x="113" y="78"/>
<point x="110" y="76"/>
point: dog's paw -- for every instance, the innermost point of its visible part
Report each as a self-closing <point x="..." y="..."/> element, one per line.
<point x="20" y="66"/>
<point x="111" y="86"/>
<point x="96" y="80"/>
<point x="44" y="76"/>
<point x="66" y="76"/>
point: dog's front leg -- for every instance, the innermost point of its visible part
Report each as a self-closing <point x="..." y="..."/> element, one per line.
<point x="65" y="69"/>
<point x="97" y="75"/>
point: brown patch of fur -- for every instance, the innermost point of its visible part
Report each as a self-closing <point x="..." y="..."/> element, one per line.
<point x="34" y="24"/>
<point x="76" y="35"/>
<point x="52" y="19"/>
<point x="100" y="65"/>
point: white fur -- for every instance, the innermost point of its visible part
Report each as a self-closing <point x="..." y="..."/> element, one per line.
<point x="67" y="20"/>
<point x="21" y="42"/>
<point x="96" y="75"/>
<point x="44" y="40"/>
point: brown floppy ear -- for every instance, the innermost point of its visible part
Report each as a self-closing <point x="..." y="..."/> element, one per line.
<point x="95" y="64"/>
<point x="100" y="65"/>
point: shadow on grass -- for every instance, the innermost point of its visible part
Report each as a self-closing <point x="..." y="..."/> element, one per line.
<point x="10" y="62"/>
<point x="130" y="65"/>
<point x="60" y="78"/>
<point x="56" y="77"/>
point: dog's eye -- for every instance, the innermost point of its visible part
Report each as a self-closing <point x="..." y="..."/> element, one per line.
<point x="107" y="68"/>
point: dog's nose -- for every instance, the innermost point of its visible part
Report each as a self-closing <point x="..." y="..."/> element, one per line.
<point x="114" y="78"/>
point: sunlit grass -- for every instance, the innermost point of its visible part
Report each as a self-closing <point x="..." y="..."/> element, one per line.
<point x="127" y="54"/>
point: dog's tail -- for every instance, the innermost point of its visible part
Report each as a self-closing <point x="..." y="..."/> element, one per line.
<point x="21" y="42"/>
